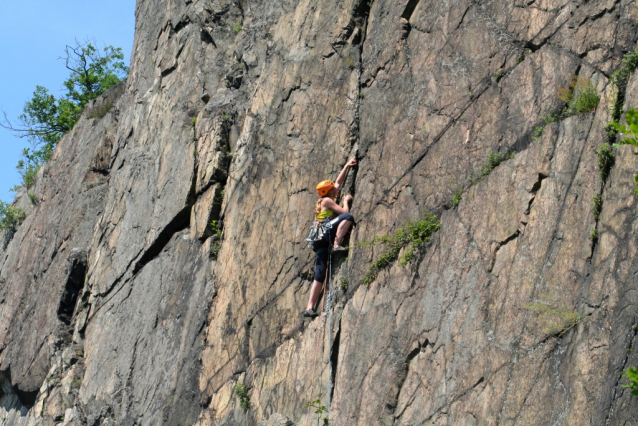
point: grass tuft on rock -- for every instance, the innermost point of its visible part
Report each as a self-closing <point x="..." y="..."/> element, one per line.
<point x="580" y="96"/>
<point x="555" y="320"/>
<point x="410" y="238"/>
<point x="242" y="393"/>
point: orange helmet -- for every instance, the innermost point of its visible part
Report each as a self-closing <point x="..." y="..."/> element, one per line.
<point x="324" y="187"/>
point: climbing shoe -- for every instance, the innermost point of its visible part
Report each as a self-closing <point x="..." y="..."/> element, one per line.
<point x="339" y="249"/>
<point x="309" y="313"/>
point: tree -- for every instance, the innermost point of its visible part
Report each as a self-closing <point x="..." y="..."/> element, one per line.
<point x="45" y="118"/>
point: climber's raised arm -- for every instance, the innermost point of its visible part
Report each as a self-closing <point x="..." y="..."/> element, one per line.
<point x="344" y="171"/>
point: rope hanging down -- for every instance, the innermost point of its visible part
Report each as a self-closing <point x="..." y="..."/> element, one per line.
<point x="319" y="335"/>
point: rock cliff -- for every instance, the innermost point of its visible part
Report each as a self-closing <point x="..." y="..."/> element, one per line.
<point x="163" y="262"/>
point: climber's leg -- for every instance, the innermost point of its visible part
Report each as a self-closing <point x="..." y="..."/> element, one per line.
<point x="315" y="291"/>
<point x="342" y="230"/>
<point x="344" y="221"/>
<point x="321" y="265"/>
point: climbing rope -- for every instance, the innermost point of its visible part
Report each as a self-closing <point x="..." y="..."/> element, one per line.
<point x="329" y="305"/>
<point x="314" y="362"/>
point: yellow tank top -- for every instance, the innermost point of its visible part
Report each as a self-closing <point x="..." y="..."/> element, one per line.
<point x="324" y="214"/>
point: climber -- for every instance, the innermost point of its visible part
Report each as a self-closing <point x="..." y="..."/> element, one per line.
<point x="341" y="221"/>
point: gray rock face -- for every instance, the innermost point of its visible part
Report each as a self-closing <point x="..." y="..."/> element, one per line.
<point x="164" y="261"/>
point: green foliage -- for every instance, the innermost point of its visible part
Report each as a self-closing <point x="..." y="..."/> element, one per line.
<point x="226" y="117"/>
<point x="10" y="216"/>
<point x="494" y="159"/>
<point x="242" y="393"/>
<point x="498" y="75"/>
<point x="92" y="71"/>
<point x="319" y="408"/>
<point x="217" y="239"/>
<point x="32" y="198"/>
<point x="619" y="81"/>
<point x="549" y="117"/>
<point x="457" y="196"/>
<point x="605" y="161"/>
<point x="629" y="133"/>
<point x="29" y="165"/>
<point x="76" y="383"/>
<point x="46" y="118"/>
<point x="350" y="63"/>
<point x="632" y="375"/>
<point x="194" y="121"/>
<point x="237" y="28"/>
<point x="411" y="237"/>
<point x="361" y="95"/>
<point x="597" y="205"/>
<point x="343" y="284"/>
<point x="580" y="96"/>
<point x="593" y="235"/>
<point x="470" y="95"/>
<point x="555" y="320"/>
<point x="520" y="59"/>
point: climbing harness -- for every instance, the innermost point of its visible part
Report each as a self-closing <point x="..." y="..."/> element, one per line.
<point x="319" y="234"/>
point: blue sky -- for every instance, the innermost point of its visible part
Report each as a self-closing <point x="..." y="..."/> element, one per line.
<point x="33" y="35"/>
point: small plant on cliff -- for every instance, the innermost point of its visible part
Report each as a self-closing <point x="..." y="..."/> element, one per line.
<point x="554" y="319"/>
<point x="597" y="205"/>
<point x="550" y="117"/>
<point x="580" y="96"/>
<point x="343" y="284"/>
<point x="619" y="81"/>
<point x="237" y="28"/>
<point x="242" y="393"/>
<point x="605" y="161"/>
<point x="350" y="63"/>
<point x="629" y="134"/>
<point x="10" y="216"/>
<point x="632" y="375"/>
<point x="410" y="238"/>
<point x="217" y="239"/>
<point x="494" y="159"/>
<point x="319" y="408"/>
<point x="457" y="196"/>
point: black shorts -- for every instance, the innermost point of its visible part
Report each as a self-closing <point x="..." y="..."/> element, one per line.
<point x="322" y="252"/>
